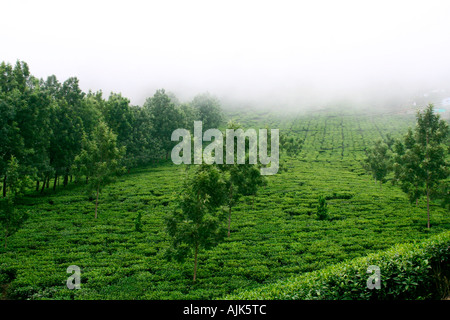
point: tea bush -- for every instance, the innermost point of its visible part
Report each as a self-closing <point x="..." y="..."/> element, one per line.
<point x="408" y="271"/>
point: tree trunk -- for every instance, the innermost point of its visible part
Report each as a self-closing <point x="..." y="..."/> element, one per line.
<point x="195" y="261"/>
<point x="48" y="182"/>
<point x="37" y="185"/>
<point x="428" y="207"/>
<point x="43" y="184"/>
<point x="66" y="177"/>
<point x="54" y="183"/>
<point x="96" y="202"/>
<point x="87" y="179"/>
<point x="4" y="186"/>
<point x="229" y="210"/>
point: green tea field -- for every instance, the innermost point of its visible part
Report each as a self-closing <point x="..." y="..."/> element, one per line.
<point x="273" y="237"/>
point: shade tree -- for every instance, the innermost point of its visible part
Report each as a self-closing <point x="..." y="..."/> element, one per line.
<point x="421" y="165"/>
<point x="197" y="224"/>
<point x="99" y="159"/>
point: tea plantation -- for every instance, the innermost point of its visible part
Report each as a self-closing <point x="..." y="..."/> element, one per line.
<point x="275" y="237"/>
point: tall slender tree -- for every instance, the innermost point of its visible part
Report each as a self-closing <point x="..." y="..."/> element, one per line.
<point x="119" y="117"/>
<point x="13" y="101"/>
<point x="378" y="161"/>
<point x="407" y="171"/>
<point x="143" y="146"/>
<point x="198" y="223"/>
<point x="431" y="132"/>
<point x="165" y="118"/>
<point x="100" y="159"/>
<point x="421" y="166"/>
<point x="241" y="179"/>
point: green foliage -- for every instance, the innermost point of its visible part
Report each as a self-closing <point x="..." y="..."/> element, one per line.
<point x="442" y="193"/>
<point x="143" y="146"/>
<point x="421" y="165"/>
<point x="410" y="271"/>
<point x="322" y="209"/>
<point x="291" y="145"/>
<point x="24" y="114"/>
<point x="197" y="225"/>
<point x="208" y="110"/>
<point x="241" y="179"/>
<point x="165" y="118"/>
<point x="407" y="167"/>
<point x="138" y="223"/>
<point x="99" y="159"/>
<point x="11" y="219"/>
<point x="16" y="179"/>
<point x="378" y="161"/>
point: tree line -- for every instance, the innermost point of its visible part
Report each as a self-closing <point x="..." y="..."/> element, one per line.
<point x="52" y="131"/>
<point x="44" y="123"/>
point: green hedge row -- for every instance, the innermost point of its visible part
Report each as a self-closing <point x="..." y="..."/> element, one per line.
<point x="408" y="271"/>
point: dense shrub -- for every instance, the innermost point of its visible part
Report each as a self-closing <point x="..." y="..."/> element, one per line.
<point x="409" y="271"/>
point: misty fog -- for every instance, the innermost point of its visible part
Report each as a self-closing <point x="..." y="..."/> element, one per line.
<point x="283" y="54"/>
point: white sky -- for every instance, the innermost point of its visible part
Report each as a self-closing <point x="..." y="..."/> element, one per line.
<point x="253" y="48"/>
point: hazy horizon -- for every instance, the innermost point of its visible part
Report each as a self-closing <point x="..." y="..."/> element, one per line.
<point x="284" y="52"/>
